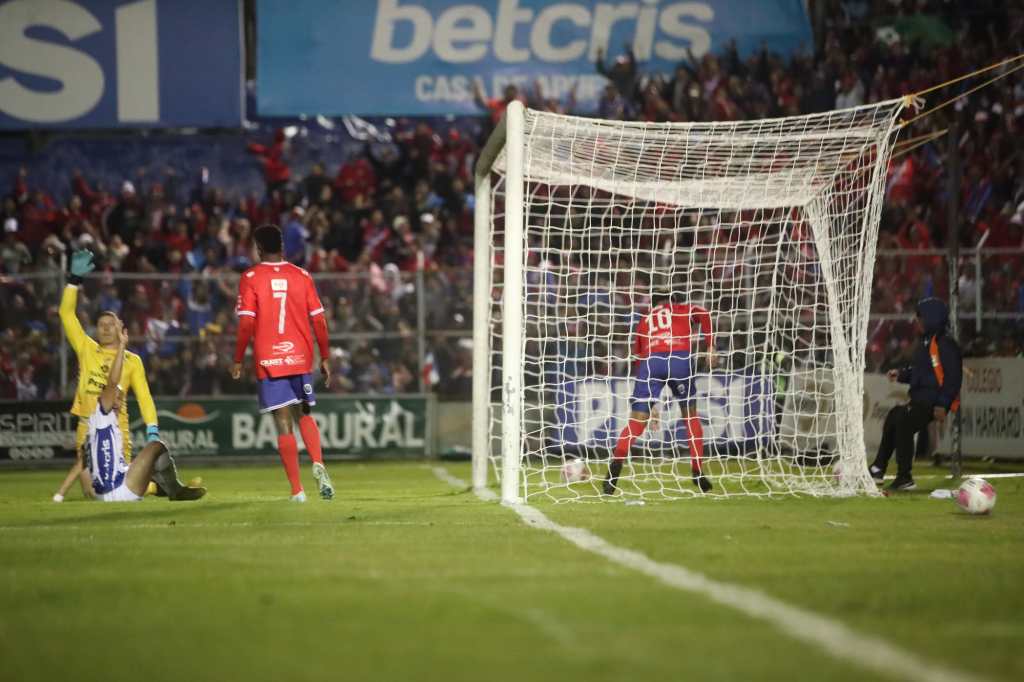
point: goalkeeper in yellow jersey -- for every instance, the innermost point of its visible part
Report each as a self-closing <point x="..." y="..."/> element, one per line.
<point x="94" y="359"/>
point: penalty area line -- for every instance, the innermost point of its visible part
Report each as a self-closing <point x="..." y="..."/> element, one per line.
<point x="828" y="634"/>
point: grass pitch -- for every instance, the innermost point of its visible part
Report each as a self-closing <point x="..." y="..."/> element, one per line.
<point x="403" y="577"/>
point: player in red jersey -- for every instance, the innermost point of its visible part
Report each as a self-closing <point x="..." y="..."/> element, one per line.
<point x="664" y="347"/>
<point x="276" y="303"/>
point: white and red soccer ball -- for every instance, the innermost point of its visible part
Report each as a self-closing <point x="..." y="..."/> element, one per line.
<point x="976" y="496"/>
<point x="574" y="471"/>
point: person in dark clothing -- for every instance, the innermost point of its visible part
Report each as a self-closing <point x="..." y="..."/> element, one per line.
<point x="623" y="73"/>
<point x="935" y="375"/>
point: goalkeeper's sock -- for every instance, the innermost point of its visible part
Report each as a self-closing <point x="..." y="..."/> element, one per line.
<point x="626" y="438"/>
<point x="696" y="439"/>
<point x="289" y="451"/>
<point x="311" y="437"/>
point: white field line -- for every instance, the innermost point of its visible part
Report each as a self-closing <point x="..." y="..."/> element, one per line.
<point x="947" y="477"/>
<point x="830" y="635"/>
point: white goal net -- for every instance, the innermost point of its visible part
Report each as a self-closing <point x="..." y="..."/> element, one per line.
<point x="770" y="225"/>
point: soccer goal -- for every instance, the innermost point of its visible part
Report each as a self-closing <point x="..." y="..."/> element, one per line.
<point x="770" y="225"/>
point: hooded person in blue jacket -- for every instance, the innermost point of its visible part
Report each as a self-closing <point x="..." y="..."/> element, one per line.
<point x="934" y="375"/>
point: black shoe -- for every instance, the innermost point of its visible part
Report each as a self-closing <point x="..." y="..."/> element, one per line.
<point x="188" y="494"/>
<point x="877" y="473"/>
<point x="611" y="481"/>
<point x="902" y="483"/>
<point x="160" y="492"/>
<point x="702" y="482"/>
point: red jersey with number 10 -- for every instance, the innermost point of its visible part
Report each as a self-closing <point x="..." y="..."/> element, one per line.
<point x="282" y="298"/>
<point x="671" y="327"/>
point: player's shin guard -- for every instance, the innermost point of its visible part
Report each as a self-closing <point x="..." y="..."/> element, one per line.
<point x="289" y="451"/>
<point x="311" y="437"/>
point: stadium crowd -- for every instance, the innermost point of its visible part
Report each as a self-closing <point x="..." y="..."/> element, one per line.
<point x="398" y="212"/>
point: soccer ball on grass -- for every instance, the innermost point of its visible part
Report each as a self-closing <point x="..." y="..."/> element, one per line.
<point x="976" y="496"/>
<point x="574" y="471"/>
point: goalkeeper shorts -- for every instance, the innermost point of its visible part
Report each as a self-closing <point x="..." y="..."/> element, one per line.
<point x="278" y="392"/>
<point x="119" y="494"/>
<point x="658" y="370"/>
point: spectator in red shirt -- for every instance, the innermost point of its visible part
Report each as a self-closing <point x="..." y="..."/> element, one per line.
<point x="179" y="238"/>
<point x="496" y="106"/>
<point x="276" y="172"/>
<point x="38" y="218"/>
<point x="377" y="236"/>
<point x="356" y="177"/>
<point x="80" y="188"/>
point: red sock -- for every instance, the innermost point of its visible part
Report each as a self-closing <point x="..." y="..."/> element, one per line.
<point x="311" y="437"/>
<point x="696" y="431"/>
<point x="289" y="451"/>
<point x="628" y="435"/>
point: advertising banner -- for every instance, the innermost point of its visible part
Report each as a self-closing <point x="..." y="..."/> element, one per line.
<point x="737" y="412"/>
<point x="38" y="429"/>
<point x="808" y="421"/>
<point x="425" y="57"/>
<point x="113" y="63"/>
<point x="356" y="426"/>
<point x="991" y="401"/>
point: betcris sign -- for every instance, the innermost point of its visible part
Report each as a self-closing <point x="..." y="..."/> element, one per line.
<point x="737" y="412"/>
<point x="111" y="63"/>
<point x="404" y="57"/>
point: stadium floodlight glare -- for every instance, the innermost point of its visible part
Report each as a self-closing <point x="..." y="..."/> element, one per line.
<point x="769" y="224"/>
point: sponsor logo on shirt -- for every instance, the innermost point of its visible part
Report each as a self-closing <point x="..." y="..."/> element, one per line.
<point x="283" y="347"/>
<point x="272" y="362"/>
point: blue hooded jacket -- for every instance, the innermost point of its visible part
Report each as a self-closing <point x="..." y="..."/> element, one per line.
<point x="924" y="386"/>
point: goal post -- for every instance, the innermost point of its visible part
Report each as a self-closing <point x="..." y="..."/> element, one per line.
<point x="770" y="225"/>
<point x="498" y="255"/>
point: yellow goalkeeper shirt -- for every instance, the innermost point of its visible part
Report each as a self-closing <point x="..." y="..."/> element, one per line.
<point x="94" y="367"/>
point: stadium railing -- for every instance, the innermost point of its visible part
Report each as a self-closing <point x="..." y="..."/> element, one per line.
<point x="407" y="333"/>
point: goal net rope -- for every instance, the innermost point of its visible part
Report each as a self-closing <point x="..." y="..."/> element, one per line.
<point x="770" y="225"/>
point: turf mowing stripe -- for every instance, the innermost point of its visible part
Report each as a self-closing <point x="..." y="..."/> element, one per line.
<point x="831" y="635"/>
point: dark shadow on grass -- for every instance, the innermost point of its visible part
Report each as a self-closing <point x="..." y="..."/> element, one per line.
<point x="970" y="517"/>
<point x="172" y="511"/>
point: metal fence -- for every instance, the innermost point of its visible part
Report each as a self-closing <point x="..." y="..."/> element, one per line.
<point x="397" y="333"/>
<point x="991" y="283"/>
<point x="390" y="332"/>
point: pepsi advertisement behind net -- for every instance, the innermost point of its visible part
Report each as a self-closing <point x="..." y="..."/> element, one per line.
<point x="406" y="57"/>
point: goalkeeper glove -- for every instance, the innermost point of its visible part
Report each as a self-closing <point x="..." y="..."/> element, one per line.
<point x="81" y="265"/>
<point x="152" y="433"/>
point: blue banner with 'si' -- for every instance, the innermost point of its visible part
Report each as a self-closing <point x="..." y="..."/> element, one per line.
<point x="116" y="63"/>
